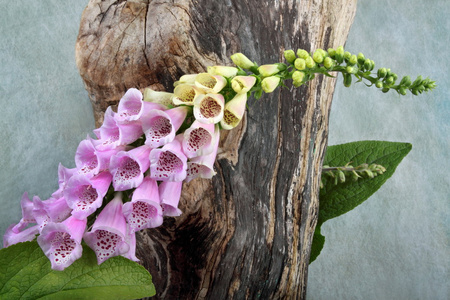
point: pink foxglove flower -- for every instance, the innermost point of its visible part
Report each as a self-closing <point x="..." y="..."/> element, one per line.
<point x="169" y="193"/>
<point x="131" y="241"/>
<point x="130" y="106"/>
<point x="209" y="108"/>
<point x="169" y="162"/>
<point x="61" y="242"/>
<point x="162" y="98"/>
<point x="242" y="84"/>
<point x="84" y="195"/>
<point x="51" y="210"/>
<point x="64" y="175"/>
<point x="12" y="236"/>
<point x="144" y="210"/>
<point x="234" y="111"/>
<point x="210" y="83"/>
<point x="184" y="94"/>
<point x="128" y="167"/>
<point x="27" y="213"/>
<point x="202" y="166"/>
<point x="160" y="126"/>
<point x="108" y="236"/>
<point x="199" y="139"/>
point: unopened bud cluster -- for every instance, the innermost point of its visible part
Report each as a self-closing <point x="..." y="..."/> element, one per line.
<point x="342" y="174"/>
<point x="305" y="65"/>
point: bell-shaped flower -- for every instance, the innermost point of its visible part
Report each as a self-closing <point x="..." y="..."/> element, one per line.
<point x="185" y="79"/>
<point x="268" y="70"/>
<point x="64" y="175"/>
<point x="168" y="163"/>
<point x="210" y="83"/>
<point x="61" y="242"/>
<point x="13" y="236"/>
<point x="242" y="61"/>
<point x="199" y="139"/>
<point x="131" y="241"/>
<point x="162" y="98"/>
<point x="128" y="167"/>
<point x="160" y="126"/>
<point x="184" y="94"/>
<point x="243" y="84"/>
<point x="269" y="84"/>
<point x="169" y="194"/>
<point x="130" y="106"/>
<point x="84" y="195"/>
<point x="209" y="108"/>
<point x="224" y="71"/>
<point x="144" y="210"/>
<point x="233" y="112"/>
<point x="202" y="166"/>
<point x="51" y="210"/>
<point x="108" y="236"/>
<point x="27" y="213"/>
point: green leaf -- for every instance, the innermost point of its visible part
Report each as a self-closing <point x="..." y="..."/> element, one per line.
<point x="336" y="200"/>
<point x="26" y="274"/>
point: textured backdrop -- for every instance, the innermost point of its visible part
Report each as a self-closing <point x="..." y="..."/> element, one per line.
<point x="394" y="246"/>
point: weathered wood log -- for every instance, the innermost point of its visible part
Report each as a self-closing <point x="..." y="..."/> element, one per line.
<point x="246" y="233"/>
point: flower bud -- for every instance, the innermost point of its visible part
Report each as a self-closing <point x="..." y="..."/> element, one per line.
<point x="379" y="84"/>
<point x="347" y="56"/>
<point x="341" y="176"/>
<point x="339" y="54"/>
<point x="297" y="78"/>
<point x="381" y="73"/>
<point x="351" y="70"/>
<point x="406" y="81"/>
<point x="353" y="60"/>
<point x="310" y="62"/>
<point x="242" y="61"/>
<point x="385" y="89"/>
<point x="224" y="71"/>
<point x="361" y="58"/>
<point x="318" y="56"/>
<point x="331" y="52"/>
<point x="402" y="91"/>
<point x="300" y="64"/>
<point x="328" y="62"/>
<point x="302" y="53"/>
<point x="242" y="84"/>
<point x="268" y="70"/>
<point x="368" y="64"/>
<point x="390" y="80"/>
<point x="269" y="84"/>
<point x="347" y="79"/>
<point x="289" y="55"/>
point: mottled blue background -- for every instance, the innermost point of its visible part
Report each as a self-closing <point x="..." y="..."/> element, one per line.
<point x="394" y="246"/>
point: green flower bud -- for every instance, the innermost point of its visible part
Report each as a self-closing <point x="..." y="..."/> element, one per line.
<point x="290" y="56"/>
<point x="361" y="58"/>
<point x="418" y="81"/>
<point x="379" y="84"/>
<point x="242" y="61"/>
<point x="300" y="64"/>
<point x="269" y="70"/>
<point x="347" y="79"/>
<point x="269" y="84"/>
<point x="339" y="56"/>
<point x="381" y="73"/>
<point x="351" y="70"/>
<point x="310" y="62"/>
<point x="390" y="80"/>
<point x="328" y="62"/>
<point x="373" y="65"/>
<point x="302" y="53"/>
<point x="385" y="90"/>
<point x="318" y="56"/>
<point x="369" y="173"/>
<point x="341" y="176"/>
<point x="406" y="81"/>
<point x="353" y="60"/>
<point x="331" y="52"/>
<point x="347" y="56"/>
<point x="368" y="64"/>
<point x="297" y="78"/>
<point x="395" y="76"/>
<point x="415" y="92"/>
<point x="402" y="91"/>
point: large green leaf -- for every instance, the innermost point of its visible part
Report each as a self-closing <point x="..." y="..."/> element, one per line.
<point x="26" y="274"/>
<point x="336" y="200"/>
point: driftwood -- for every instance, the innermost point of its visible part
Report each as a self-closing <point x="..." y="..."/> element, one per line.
<point x="246" y="233"/>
